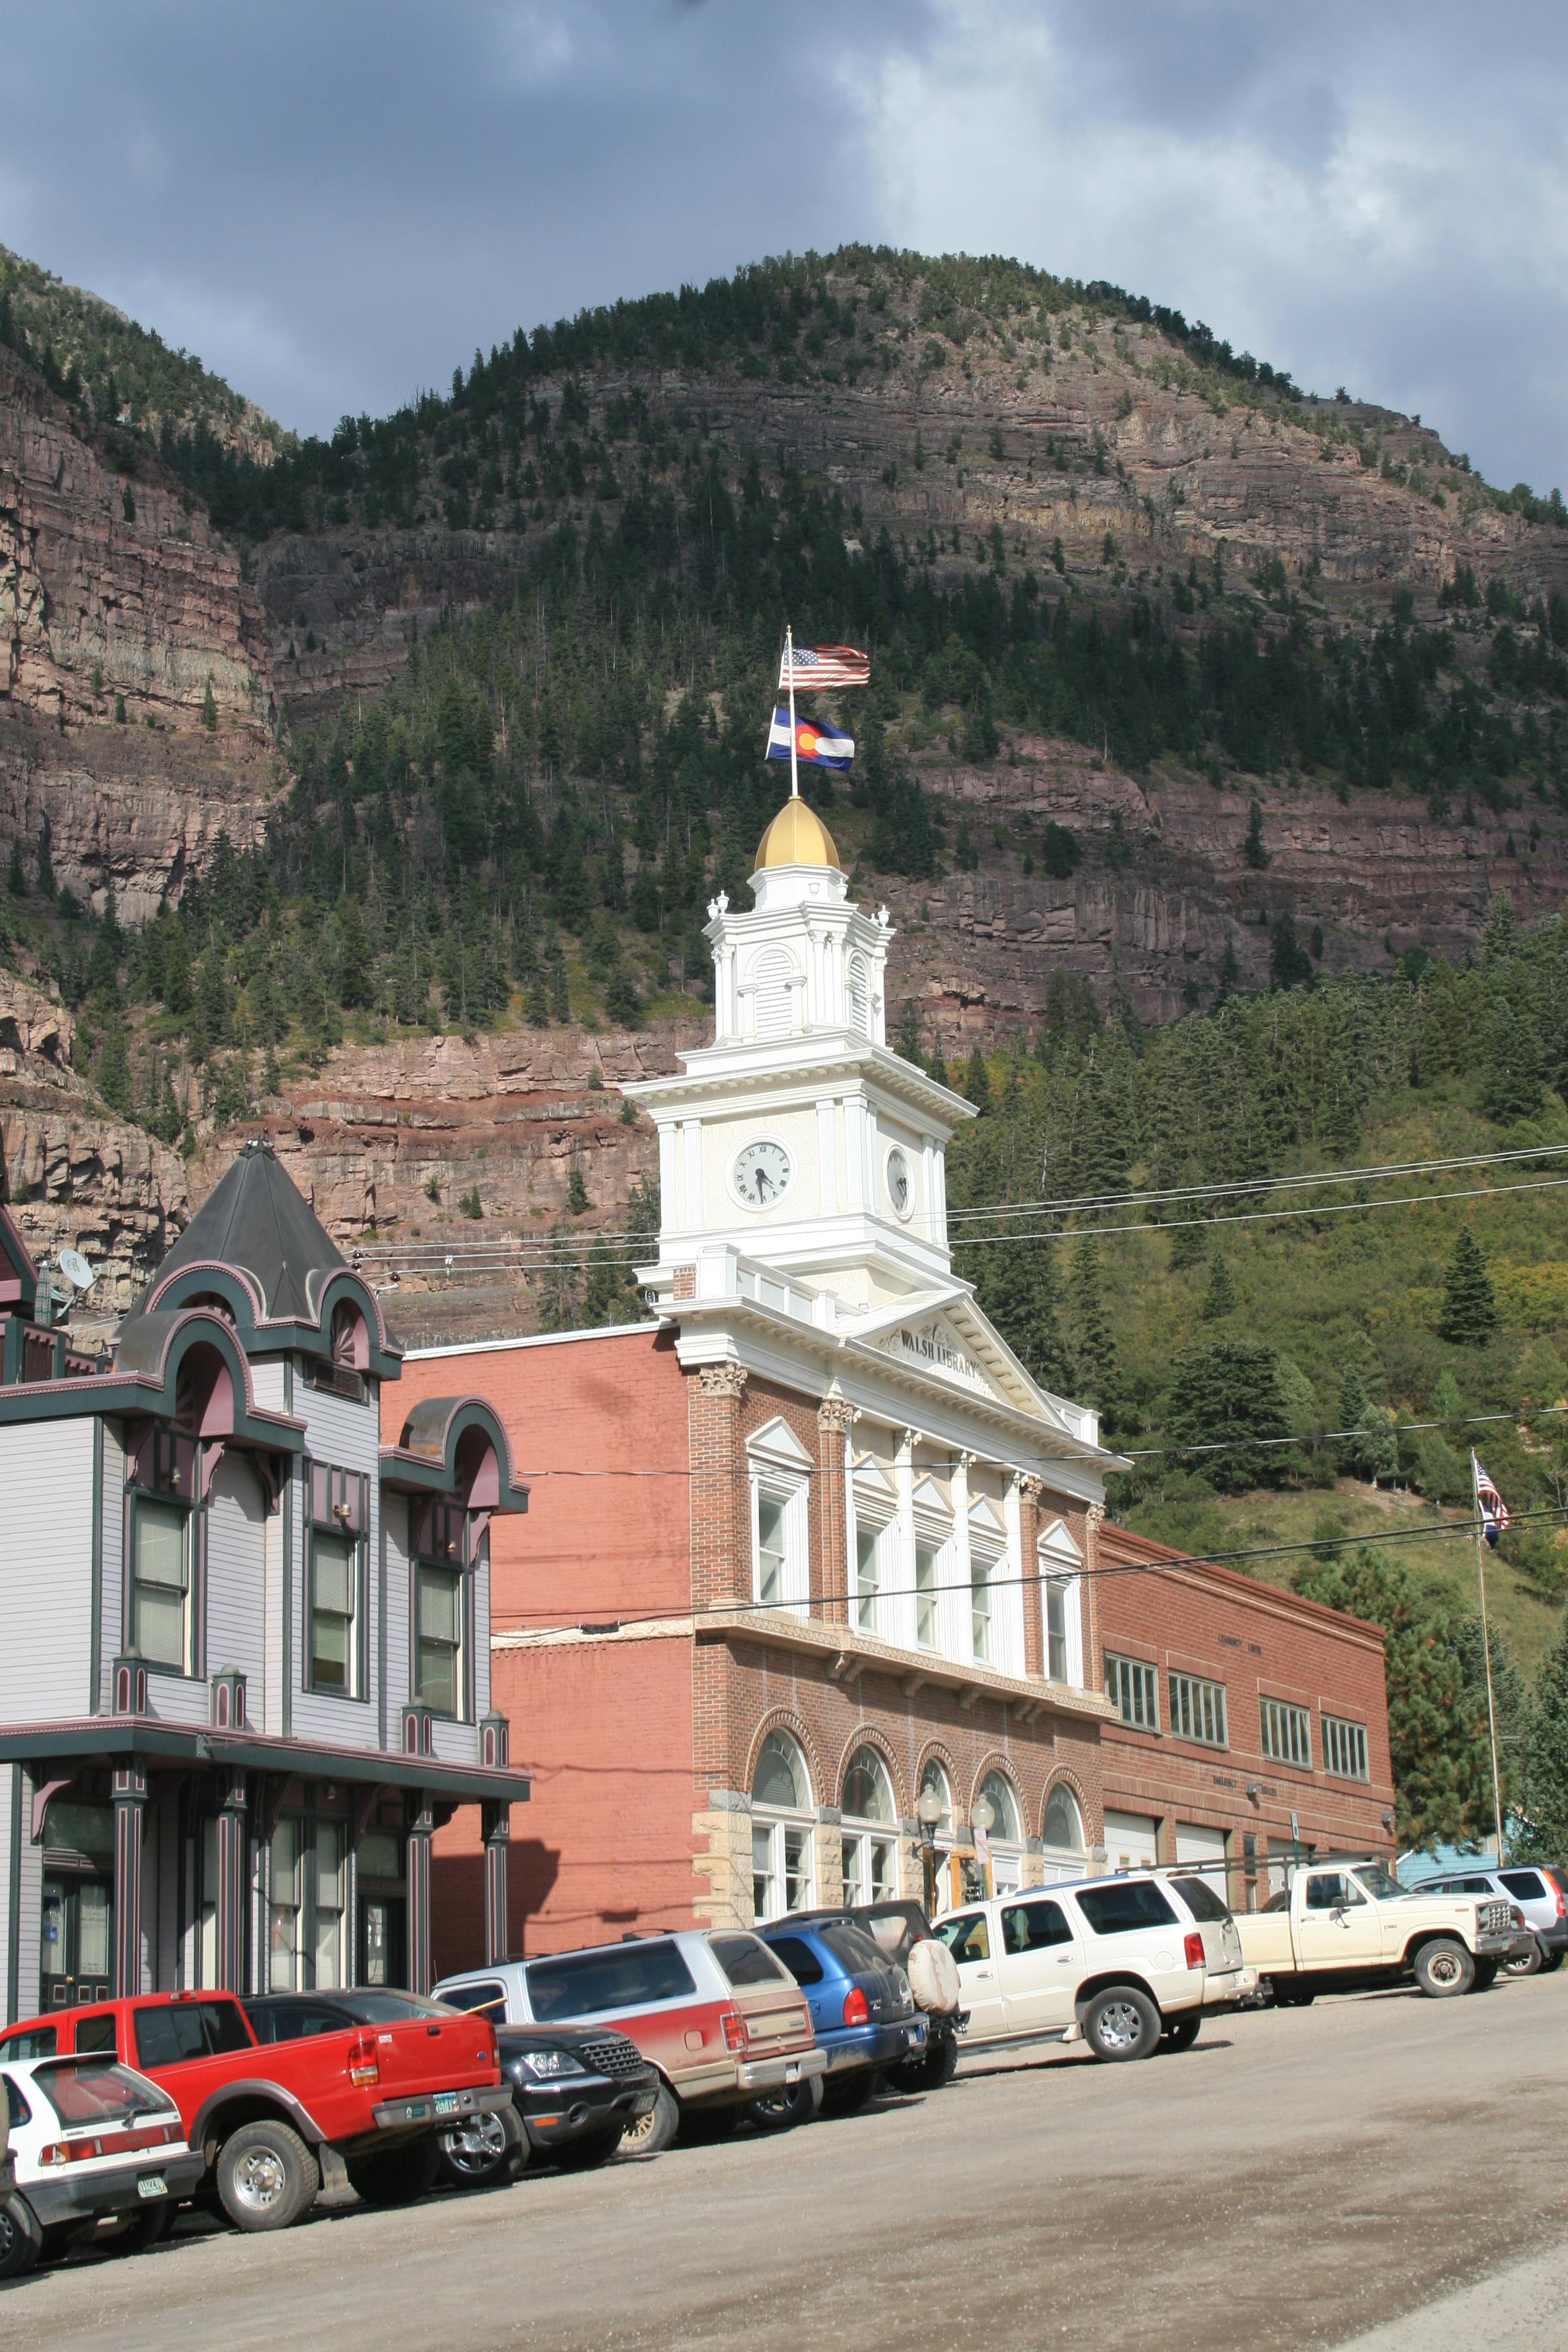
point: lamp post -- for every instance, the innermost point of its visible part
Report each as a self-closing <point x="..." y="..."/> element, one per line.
<point x="982" y="1817"/>
<point x="929" y="1811"/>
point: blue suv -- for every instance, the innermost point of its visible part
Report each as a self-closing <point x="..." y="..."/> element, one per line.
<point x="862" y="2011"/>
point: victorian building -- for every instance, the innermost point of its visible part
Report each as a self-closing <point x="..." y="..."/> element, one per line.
<point x="811" y="1542"/>
<point x="246" y="1671"/>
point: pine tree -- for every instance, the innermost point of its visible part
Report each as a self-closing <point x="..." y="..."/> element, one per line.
<point x="560" y="1007"/>
<point x="209" y="709"/>
<point x="908" y="1040"/>
<point x="1095" y="1340"/>
<point x="1017" y="1288"/>
<point x="1219" y="1298"/>
<point x="1349" y="1414"/>
<point x="577" y="1199"/>
<point x="1544" y="1796"/>
<point x="1187" y="1243"/>
<point x="1225" y="1395"/>
<point x="1470" y="1314"/>
<point x="977" y="1081"/>
<point x="608" y="1296"/>
<point x="560" y="1290"/>
<point x="114" y="1067"/>
<point x="1498" y="940"/>
<point x="1252" y="848"/>
<point x="1512" y="1086"/>
<point x="16" y="872"/>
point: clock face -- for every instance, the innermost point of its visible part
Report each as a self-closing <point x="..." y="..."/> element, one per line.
<point x="761" y="1174"/>
<point x="898" y="1189"/>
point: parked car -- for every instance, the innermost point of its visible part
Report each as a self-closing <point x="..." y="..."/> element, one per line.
<point x="898" y="1927"/>
<point x="1125" y="1965"/>
<point x="862" y="2011"/>
<point x="574" y="2090"/>
<point x="1539" y="1896"/>
<point x="90" y="2142"/>
<point x="1347" y="1927"/>
<point x="376" y="2095"/>
<point x="721" y="2018"/>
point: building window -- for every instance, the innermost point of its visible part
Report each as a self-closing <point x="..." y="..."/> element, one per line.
<point x="1133" y="1689"/>
<point x="781" y="1470"/>
<point x="305" y="1905"/>
<point x="1287" y="1733"/>
<point x="334" y="1576"/>
<point x="867" y="1578"/>
<point x="327" y="1937"/>
<point x="980" y="1571"/>
<point x="160" y="1585"/>
<point x="1062" y="1831"/>
<point x="1060" y="1563"/>
<point x="870" y="1843"/>
<point x="1197" y="1710"/>
<point x="781" y="1829"/>
<point x="769" y="1551"/>
<point x="925" y="1596"/>
<point x="1057" y="1592"/>
<point x="1005" y="1837"/>
<point x="1344" y="1749"/>
<point x="438" y="1665"/>
<point x="285" y="1905"/>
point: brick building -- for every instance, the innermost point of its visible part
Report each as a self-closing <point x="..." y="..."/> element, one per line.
<point x="814" y="1538"/>
<point x="1241" y="1709"/>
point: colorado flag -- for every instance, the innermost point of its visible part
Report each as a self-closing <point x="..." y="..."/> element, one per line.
<point x="815" y="743"/>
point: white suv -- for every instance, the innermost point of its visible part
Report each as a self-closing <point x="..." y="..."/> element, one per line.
<point x="1126" y="1965"/>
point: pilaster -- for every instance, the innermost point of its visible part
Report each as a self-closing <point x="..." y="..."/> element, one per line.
<point x="832" y="1568"/>
<point x="130" y="1787"/>
<point x="1030" y="1489"/>
<point x="720" y="1490"/>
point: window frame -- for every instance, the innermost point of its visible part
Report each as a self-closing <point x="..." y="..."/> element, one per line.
<point x="337" y="1505"/>
<point x="309" y="1911"/>
<point x="780" y="1472"/>
<point x="1273" y="1713"/>
<point x="142" y="1501"/>
<point x="440" y="1544"/>
<point x="983" y="1564"/>
<point x="773" y="1828"/>
<point x="863" y="1838"/>
<point x="1339" y="1732"/>
<point x="1138" y="1673"/>
<point x="867" y="1596"/>
<point x="1058" y="1564"/>
<point x="1186" y="1698"/>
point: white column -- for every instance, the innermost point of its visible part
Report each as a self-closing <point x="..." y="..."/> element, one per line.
<point x="960" y="1644"/>
<point x="855" y="1149"/>
<point x="873" y="1162"/>
<point x="826" y="1156"/>
<point x="1010" y="1650"/>
<point x="691" y="1133"/>
<point x="900" y="1618"/>
<point x="668" y="1196"/>
<point x="939" y="1200"/>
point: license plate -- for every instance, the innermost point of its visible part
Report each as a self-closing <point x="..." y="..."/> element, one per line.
<point x="792" y="2074"/>
<point x="446" y="2102"/>
<point x="152" y="2184"/>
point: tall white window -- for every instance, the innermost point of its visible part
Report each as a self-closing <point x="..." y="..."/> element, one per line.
<point x="868" y="1547"/>
<point x="782" y="1821"/>
<point x="1133" y="1689"/>
<point x="1062" y="1830"/>
<point x="926" y="1596"/>
<point x="781" y="1469"/>
<point x="1006" y="1834"/>
<point x="1060" y="1566"/>
<point x="306" y="1899"/>
<point x="161" y="1587"/>
<point x="770" y="1551"/>
<point x="870" y="1838"/>
<point x="981" y="1604"/>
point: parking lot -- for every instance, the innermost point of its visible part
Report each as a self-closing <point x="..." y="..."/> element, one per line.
<point x="1295" y="2180"/>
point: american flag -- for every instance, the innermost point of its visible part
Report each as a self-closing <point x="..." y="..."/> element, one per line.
<point x="1490" y="1504"/>
<point x="821" y="665"/>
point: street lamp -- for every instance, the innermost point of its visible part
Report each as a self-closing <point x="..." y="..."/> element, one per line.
<point x="928" y="1810"/>
<point x="982" y="1815"/>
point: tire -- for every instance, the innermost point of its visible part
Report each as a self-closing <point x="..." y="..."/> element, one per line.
<point x="147" y="2228"/>
<point x="1528" y="1964"/>
<point x="653" y="2132"/>
<point x="585" y="2155"/>
<point x="936" y="2066"/>
<point x="1444" y="1968"/>
<point x="851" y="2092"/>
<point x="706" y="2126"/>
<point x="398" y="2176"/>
<point x="782" y="2110"/>
<point x="1182" y="2031"/>
<point x="1121" y="2023"/>
<point x="21" y="2239"/>
<point x="266" y="2176"/>
<point x="1292" y="1996"/>
<point x="1487" y="1976"/>
<point x="1552" y="1960"/>
<point x="482" y="2153"/>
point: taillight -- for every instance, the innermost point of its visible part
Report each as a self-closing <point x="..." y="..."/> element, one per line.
<point x="857" y="2007"/>
<point x="364" y="2060"/>
<point x="1194" y="1952"/>
<point x="735" y="2035"/>
<point x="109" y="2143"/>
<point x="1558" y="1892"/>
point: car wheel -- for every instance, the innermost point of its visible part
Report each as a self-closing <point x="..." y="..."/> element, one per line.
<point x="21" y="2239"/>
<point x="935" y="2065"/>
<point x="1444" y="1967"/>
<point x="1181" y="2033"/>
<point x="795" y="2103"/>
<point x="399" y="2176"/>
<point x="480" y="2152"/>
<point x="850" y="2093"/>
<point x="1121" y="2023"/>
<point x="1486" y="1976"/>
<point x="651" y="2132"/>
<point x="586" y="2154"/>
<point x="1290" y="1996"/>
<point x="705" y="2127"/>
<point x="148" y="2226"/>
<point x="266" y="2176"/>
<point x="1550" y="1960"/>
<point x="1526" y="1964"/>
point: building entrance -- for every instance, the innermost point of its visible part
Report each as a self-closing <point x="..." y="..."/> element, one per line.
<point x="73" y="1961"/>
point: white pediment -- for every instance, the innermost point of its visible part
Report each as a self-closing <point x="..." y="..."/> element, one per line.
<point x="986" y="1521"/>
<point x="931" y="1343"/>
<point x="1057" y="1543"/>
<point x="872" y="1484"/>
<point x="777" y="1442"/>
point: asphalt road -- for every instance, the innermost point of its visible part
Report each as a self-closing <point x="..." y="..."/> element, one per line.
<point x="1382" y="2167"/>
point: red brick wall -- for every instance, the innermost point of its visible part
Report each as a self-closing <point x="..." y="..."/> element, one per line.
<point x="1178" y="1614"/>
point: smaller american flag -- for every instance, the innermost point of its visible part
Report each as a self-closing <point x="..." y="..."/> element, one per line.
<point x="1490" y="1504"/>
<point x="823" y="665"/>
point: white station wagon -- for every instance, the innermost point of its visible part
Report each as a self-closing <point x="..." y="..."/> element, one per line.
<point x="91" y="2142"/>
<point x="1126" y="1965"/>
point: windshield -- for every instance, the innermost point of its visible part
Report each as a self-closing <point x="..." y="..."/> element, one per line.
<point x="88" y="2091"/>
<point x="1377" y="1880"/>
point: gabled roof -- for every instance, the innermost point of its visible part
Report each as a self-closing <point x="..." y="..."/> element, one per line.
<point x="256" y="1219"/>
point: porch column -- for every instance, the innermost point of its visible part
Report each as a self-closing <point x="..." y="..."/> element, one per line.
<point x="233" y="1894"/>
<point x="130" y="1805"/>
<point x="496" y="1823"/>
<point x="421" y="1829"/>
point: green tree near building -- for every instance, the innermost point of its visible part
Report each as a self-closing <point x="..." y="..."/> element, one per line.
<point x="1229" y="1396"/>
<point x="1219" y="1298"/>
<point x="977" y="1081"/>
<point x="1095" y="1353"/>
<point x="1470" y="1314"/>
<point x="1511" y="1086"/>
<point x="1542" y="1796"/>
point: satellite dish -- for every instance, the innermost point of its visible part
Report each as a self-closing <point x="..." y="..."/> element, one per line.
<point x="76" y="1269"/>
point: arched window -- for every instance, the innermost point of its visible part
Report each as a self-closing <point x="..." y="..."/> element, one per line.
<point x="870" y="1855"/>
<point x="772" y="978"/>
<point x="1063" y="1828"/>
<point x="934" y="1777"/>
<point x="1005" y="1836"/>
<point x="781" y="1828"/>
<point x="860" y="996"/>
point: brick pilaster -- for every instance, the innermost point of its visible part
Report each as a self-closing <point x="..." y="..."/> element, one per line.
<point x="830" y="1557"/>
<point x="720" y="1491"/>
<point x="1029" y="1491"/>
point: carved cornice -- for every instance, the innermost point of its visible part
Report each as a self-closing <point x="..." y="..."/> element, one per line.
<point x="1030" y="1488"/>
<point x="723" y="1379"/>
<point x="835" y="1413"/>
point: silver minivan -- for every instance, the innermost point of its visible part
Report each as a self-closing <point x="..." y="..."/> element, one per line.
<point x="1537" y="1896"/>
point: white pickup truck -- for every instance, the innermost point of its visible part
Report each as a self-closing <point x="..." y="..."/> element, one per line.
<point x="1345" y="1926"/>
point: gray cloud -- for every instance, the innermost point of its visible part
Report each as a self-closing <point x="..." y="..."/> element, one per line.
<point x="335" y="203"/>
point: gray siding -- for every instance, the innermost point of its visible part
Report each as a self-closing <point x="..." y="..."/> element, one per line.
<point x="237" y="1578"/>
<point x="348" y="1436"/>
<point x="482" y="1634"/>
<point x="31" y="1877"/>
<point x="398" y="1606"/>
<point x="457" y="1743"/>
<point x="45" y="1578"/>
<point x="112" y="1602"/>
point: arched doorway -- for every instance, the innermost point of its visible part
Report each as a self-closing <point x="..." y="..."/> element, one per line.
<point x="871" y="1841"/>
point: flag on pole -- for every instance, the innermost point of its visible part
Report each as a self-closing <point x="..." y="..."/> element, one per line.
<point x="815" y="743"/>
<point x="1493" y="1510"/>
<point x="821" y="665"/>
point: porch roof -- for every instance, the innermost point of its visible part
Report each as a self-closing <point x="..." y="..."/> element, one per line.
<point x="96" y="1739"/>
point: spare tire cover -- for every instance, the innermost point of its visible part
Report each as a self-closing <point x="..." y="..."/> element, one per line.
<point x="932" y="1973"/>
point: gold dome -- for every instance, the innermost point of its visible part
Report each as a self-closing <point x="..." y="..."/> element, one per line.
<point x="797" y="837"/>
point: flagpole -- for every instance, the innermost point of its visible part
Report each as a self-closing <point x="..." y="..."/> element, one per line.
<point x="789" y="673"/>
<point x="1487" y="1651"/>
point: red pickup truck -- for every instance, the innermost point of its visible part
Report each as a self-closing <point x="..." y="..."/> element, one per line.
<point x="265" y="2114"/>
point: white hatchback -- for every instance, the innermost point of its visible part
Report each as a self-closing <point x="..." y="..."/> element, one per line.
<point x="1126" y="1965"/>
<point x="92" y="2143"/>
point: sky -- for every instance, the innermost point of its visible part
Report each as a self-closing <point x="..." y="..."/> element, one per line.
<point x="334" y="204"/>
